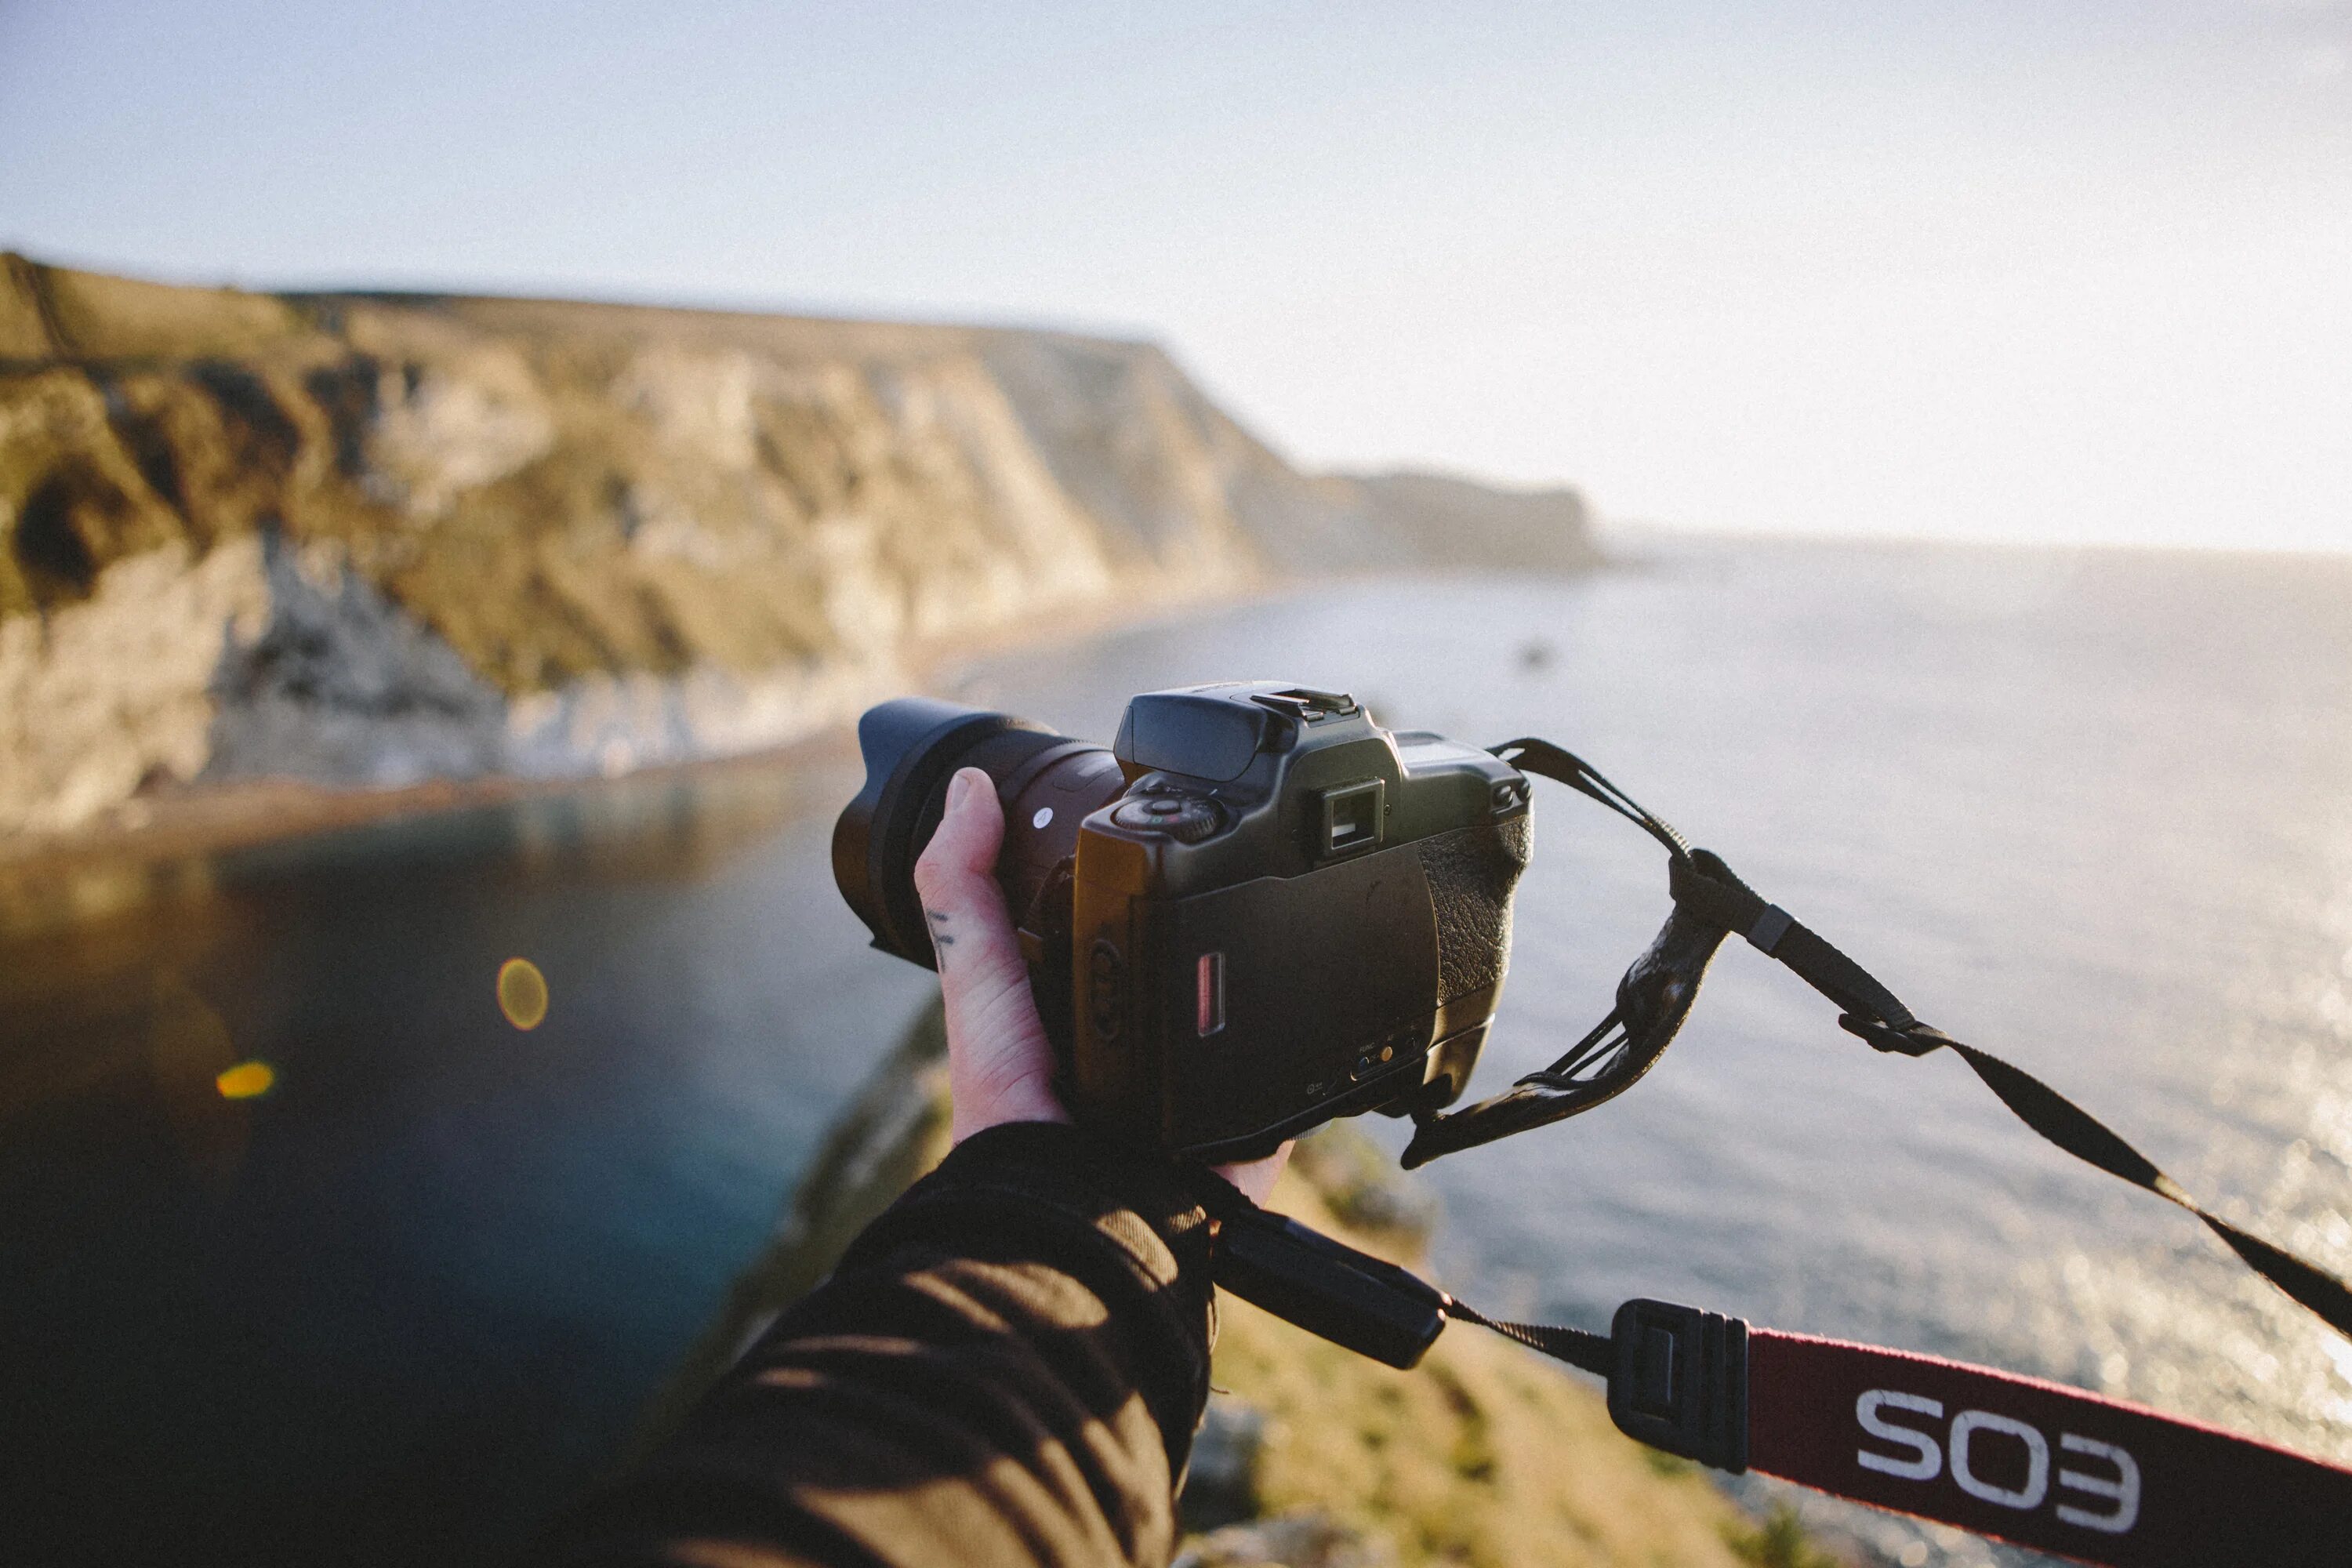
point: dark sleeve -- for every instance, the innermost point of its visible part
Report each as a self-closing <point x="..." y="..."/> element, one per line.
<point x="1006" y="1368"/>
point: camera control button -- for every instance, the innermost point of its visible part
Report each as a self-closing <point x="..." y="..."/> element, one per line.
<point x="1139" y="813"/>
<point x="1188" y="819"/>
<point x="1201" y="819"/>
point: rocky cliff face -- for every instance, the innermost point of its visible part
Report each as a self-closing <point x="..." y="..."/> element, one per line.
<point x="373" y="539"/>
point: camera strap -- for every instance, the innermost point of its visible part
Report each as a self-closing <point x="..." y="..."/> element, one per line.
<point x="1710" y="903"/>
<point x="2027" y="1461"/>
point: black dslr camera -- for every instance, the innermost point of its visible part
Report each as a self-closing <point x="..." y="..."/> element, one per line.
<point x="1255" y="911"/>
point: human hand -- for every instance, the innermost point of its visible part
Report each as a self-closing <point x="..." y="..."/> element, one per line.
<point x="1000" y="1064"/>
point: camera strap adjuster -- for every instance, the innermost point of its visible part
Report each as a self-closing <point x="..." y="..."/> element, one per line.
<point x="1915" y="1041"/>
<point x="1680" y="1383"/>
<point x="1677" y="1376"/>
<point x="1364" y="1303"/>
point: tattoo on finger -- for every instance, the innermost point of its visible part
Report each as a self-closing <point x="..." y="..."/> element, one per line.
<point x="939" y="935"/>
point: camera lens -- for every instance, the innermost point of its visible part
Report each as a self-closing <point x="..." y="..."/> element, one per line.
<point x="913" y="746"/>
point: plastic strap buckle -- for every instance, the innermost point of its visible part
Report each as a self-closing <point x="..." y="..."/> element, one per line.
<point x="1884" y="1036"/>
<point x="1681" y="1382"/>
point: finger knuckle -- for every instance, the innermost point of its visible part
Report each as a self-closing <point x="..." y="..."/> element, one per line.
<point x="937" y="880"/>
<point x="926" y="877"/>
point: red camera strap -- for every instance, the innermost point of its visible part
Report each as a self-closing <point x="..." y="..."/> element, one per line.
<point x="2033" y="1462"/>
<point x="2016" y="1458"/>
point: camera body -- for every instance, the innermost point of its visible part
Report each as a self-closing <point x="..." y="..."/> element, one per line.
<point x="1256" y="911"/>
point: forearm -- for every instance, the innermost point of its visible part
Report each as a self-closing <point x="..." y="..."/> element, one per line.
<point x="1006" y="1368"/>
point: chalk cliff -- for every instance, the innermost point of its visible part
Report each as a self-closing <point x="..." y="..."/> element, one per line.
<point x="376" y="539"/>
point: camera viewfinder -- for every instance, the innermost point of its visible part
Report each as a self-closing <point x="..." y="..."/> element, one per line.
<point x="1352" y="818"/>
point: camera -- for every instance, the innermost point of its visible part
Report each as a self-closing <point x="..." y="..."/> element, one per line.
<point x="1255" y="911"/>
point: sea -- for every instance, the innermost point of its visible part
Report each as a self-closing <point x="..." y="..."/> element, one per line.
<point x="2090" y="810"/>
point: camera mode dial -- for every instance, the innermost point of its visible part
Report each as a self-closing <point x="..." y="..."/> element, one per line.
<point x="1187" y="818"/>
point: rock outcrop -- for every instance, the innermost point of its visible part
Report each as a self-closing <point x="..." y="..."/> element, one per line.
<point x="373" y="540"/>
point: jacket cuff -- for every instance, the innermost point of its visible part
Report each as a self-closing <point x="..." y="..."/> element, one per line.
<point x="1141" y="1203"/>
<point x="1060" y="1183"/>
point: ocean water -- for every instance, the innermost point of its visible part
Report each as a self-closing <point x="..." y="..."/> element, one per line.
<point x="2092" y="811"/>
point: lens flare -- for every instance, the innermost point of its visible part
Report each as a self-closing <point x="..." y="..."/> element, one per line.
<point x="522" y="992"/>
<point x="247" y="1080"/>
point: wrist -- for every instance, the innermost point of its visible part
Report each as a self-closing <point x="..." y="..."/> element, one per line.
<point x="979" y="1106"/>
<point x="1004" y="1113"/>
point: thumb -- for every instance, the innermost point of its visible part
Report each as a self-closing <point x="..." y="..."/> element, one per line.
<point x="1000" y="1064"/>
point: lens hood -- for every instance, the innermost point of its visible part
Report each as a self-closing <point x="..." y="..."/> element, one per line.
<point x="912" y="746"/>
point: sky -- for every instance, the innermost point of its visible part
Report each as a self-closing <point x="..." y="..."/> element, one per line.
<point x="2064" y="272"/>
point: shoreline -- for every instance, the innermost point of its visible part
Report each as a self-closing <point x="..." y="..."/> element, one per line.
<point x="199" y="819"/>
<point x="207" y="819"/>
<point x="213" y="818"/>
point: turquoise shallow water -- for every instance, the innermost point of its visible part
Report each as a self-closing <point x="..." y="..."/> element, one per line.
<point x="2090" y="811"/>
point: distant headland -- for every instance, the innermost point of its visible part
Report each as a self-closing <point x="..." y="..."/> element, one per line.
<point x="383" y="540"/>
